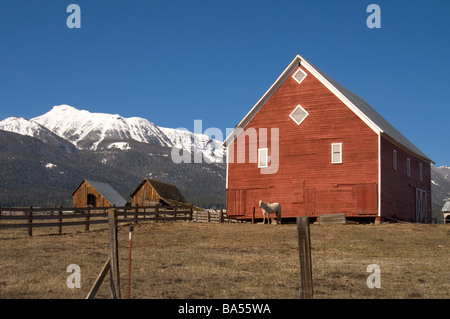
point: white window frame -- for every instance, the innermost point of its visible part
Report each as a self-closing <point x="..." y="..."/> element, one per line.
<point x="408" y="167"/>
<point x="304" y="76"/>
<point x="266" y="157"/>
<point x="394" y="159"/>
<point x="297" y="107"/>
<point x="332" y="153"/>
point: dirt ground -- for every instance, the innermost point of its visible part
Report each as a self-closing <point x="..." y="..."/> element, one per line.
<point x="177" y="260"/>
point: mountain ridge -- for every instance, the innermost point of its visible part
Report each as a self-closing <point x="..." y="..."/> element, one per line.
<point x="67" y="145"/>
<point x="93" y="131"/>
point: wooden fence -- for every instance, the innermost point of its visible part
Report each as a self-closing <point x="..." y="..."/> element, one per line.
<point x="32" y="217"/>
<point x="210" y="216"/>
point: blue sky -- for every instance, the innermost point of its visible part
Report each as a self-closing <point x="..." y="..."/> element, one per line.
<point x="173" y="62"/>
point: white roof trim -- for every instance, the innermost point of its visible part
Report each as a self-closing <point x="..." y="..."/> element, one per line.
<point x="341" y="96"/>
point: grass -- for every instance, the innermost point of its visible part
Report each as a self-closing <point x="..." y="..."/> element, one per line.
<point x="194" y="260"/>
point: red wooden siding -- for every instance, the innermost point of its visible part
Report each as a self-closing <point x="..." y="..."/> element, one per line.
<point x="400" y="192"/>
<point x="306" y="182"/>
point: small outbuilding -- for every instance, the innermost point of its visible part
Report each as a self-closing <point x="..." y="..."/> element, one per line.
<point x="96" y="194"/>
<point x="152" y="192"/>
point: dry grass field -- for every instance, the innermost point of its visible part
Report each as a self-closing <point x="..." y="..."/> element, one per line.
<point x="180" y="260"/>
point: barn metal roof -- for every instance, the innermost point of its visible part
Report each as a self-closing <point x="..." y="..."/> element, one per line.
<point x="374" y="116"/>
<point x="360" y="107"/>
<point x="109" y="193"/>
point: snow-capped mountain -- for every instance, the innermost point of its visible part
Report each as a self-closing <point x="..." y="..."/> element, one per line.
<point x="42" y="160"/>
<point x="211" y="149"/>
<point x="97" y="131"/>
<point x="25" y="127"/>
<point x="87" y="130"/>
<point x="21" y="126"/>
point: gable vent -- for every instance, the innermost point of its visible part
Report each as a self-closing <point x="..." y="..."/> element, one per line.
<point x="299" y="76"/>
<point x="299" y="114"/>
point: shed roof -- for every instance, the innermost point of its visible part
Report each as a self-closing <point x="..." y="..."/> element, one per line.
<point x="109" y="193"/>
<point x="167" y="192"/>
<point x="360" y="107"/>
<point x="446" y="207"/>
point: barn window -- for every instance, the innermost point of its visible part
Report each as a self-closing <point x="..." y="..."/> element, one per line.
<point x="263" y="157"/>
<point x="298" y="114"/>
<point x="394" y="159"/>
<point x="408" y="166"/>
<point x="420" y="172"/>
<point x="91" y="200"/>
<point x="299" y="76"/>
<point x="336" y="153"/>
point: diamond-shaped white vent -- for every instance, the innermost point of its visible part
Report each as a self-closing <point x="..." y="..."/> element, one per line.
<point x="299" y="76"/>
<point x="299" y="114"/>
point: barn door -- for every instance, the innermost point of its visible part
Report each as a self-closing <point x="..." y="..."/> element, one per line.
<point x="236" y="200"/>
<point x="421" y="206"/>
<point x="366" y="198"/>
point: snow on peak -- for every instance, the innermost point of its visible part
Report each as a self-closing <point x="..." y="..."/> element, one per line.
<point x="20" y="126"/>
<point x="94" y="131"/>
<point x="63" y="108"/>
<point x="212" y="149"/>
<point x="87" y="130"/>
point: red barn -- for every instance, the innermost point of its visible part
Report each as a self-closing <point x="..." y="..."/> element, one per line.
<point x="317" y="148"/>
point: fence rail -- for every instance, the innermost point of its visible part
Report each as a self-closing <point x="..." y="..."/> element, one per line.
<point x="33" y="217"/>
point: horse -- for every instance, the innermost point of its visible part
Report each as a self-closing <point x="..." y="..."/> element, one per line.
<point x="267" y="209"/>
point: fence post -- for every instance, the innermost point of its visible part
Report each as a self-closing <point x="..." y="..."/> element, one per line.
<point x="60" y="220"/>
<point x="86" y="226"/>
<point x="253" y="215"/>
<point x="191" y="211"/>
<point x="136" y="210"/>
<point x="304" y="249"/>
<point x="30" y="221"/>
<point x="221" y="216"/>
<point x="114" y="256"/>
